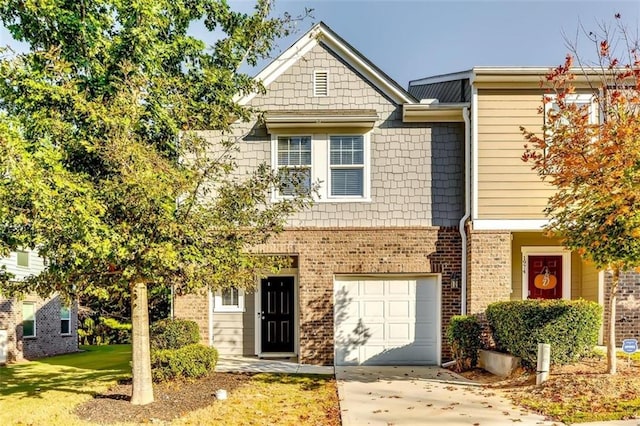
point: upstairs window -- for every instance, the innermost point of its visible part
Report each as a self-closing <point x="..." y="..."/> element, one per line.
<point x="346" y="160"/>
<point x="320" y="83"/>
<point x="294" y="164"/>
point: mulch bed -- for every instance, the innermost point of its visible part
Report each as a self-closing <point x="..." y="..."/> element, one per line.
<point x="172" y="400"/>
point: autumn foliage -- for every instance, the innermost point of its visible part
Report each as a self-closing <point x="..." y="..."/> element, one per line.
<point x="590" y="152"/>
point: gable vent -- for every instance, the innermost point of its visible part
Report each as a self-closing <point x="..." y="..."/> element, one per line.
<point x="320" y="83"/>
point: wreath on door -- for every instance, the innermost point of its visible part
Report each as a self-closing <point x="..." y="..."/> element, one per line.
<point x="545" y="280"/>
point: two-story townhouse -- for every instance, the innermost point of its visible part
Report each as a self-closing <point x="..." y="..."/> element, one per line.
<point x="506" y="248"/>
<point x="32" y="326"/>
<point x="377" y="261"/>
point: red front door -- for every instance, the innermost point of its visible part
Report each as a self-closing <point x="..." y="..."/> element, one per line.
<point x="545" y="277"/>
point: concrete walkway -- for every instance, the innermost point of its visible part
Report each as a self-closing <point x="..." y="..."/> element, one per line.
<point x="423" y="396"/>
<point x="408" y="395"/>
<point x="256" y="365"/>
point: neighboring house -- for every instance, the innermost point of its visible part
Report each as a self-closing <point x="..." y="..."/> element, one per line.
<point x="506" y="247"/>
<point x="33" y="327"/>
<point x="376" y="262"/>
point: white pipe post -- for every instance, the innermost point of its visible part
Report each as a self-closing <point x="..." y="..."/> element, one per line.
<point x="544" y="359"/>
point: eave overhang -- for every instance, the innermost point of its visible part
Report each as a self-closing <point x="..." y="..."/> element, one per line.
<point x="434" y="113"/>
<point x="307" y="119"/>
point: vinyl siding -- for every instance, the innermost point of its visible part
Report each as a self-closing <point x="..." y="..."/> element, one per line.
<point x="507" y="187"/>
<point x="233" y="332"/>
<point x="36" y="265"/>
<point x="589" y="281"/>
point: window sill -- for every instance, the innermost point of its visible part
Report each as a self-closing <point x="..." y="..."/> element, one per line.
<point x="30" y="337"/>
<point x="229" y="311"/>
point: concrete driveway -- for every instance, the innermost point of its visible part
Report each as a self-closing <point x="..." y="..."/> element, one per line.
<point x="422" y="396"/>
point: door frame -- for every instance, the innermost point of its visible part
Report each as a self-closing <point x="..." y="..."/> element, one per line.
<point x="292" y="273"/>
<point x="547" y="251"/>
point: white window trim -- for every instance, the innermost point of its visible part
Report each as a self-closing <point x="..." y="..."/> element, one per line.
<point x="35" y="320"/>
<point x="321" y="167"/>
<point x="219" y="307"/>
<point x="576" y="98"/>
<point x="547" y="251"/>
<point x="65" y="319"/>
<point x="315" y="91"/>
<point x="366" y="167"/>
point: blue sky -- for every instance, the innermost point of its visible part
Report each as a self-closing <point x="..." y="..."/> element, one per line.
<point x="414" y="39"/>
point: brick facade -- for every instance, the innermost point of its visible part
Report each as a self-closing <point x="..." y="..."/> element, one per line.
<point x="48" y="339"/>
<point x="488" y="268"/>
<point x="322" y="253"/>
<point x="627" y="308"/>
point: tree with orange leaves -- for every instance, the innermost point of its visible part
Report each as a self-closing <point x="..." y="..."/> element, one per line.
<point x="594" y="163"/>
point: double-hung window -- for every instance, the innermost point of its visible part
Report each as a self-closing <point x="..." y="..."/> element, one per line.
<point x="294" y="164"/>
<point x="338" y="162"/>
<point x="346" y="162"/>
<point x="28" y="319"/>
<point x="65" y="320"/>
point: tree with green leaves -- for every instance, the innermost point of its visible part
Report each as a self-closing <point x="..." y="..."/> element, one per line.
<point x="103" y="170"/>
<point x="595" y="163"/>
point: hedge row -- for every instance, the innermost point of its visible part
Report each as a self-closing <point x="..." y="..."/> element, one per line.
<point x="191" y="361"/>
<point x="463" y="335"/>
<point x="570" y="326"/>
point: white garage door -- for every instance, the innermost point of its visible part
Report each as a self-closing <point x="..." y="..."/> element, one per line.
<point x="386" y="321"/>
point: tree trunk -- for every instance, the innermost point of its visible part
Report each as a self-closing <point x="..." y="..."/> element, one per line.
<point x="142" y="385"/>
<point x="611" y="343"/>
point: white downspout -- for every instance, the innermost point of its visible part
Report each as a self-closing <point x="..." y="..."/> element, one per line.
<point x="467" y="209"/>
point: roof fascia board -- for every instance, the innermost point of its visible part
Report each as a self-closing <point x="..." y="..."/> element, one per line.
<point x="439" y="113"/>
<point x="461" y="75"/>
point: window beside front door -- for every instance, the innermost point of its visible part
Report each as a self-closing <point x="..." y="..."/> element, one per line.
<point x="230" y="299"/>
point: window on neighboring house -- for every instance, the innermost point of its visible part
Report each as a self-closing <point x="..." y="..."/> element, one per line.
<point x="320" y="83"/>
<point x="65" y="320"/>
<point x="22" y="259"/>
<point x="28" y="319"/>
<point x="346" y="160"/>
<point x="229" y="300"/>
<point x="294" y="164"/>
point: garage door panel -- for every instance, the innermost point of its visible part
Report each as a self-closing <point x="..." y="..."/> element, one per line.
<point x="373" y="308"/>
<point x="399" y="309"/>
<point x="403" y="288"/>
<point x="401" y="333"/>
<point x="399" y="321"/>
<point x="368" y="288"/>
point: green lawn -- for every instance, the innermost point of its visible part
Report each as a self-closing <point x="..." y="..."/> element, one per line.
<point x="46" y="391"/>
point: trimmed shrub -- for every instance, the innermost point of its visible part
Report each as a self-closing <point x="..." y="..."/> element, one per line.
<point x="463" y="334"/>
<point x="173" y="334"/>
<point x="569" y="326"/>
<point x="191" y="361"/>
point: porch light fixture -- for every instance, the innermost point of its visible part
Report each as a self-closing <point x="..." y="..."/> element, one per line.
<point x="455" y="280"/>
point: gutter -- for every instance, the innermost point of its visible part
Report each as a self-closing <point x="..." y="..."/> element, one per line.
<point x="467" y="210"/>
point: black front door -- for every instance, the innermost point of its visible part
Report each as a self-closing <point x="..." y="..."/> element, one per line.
<point x="277" y="314"/>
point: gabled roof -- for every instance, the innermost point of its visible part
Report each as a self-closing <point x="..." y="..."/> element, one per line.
<point x="322" y="34"/>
